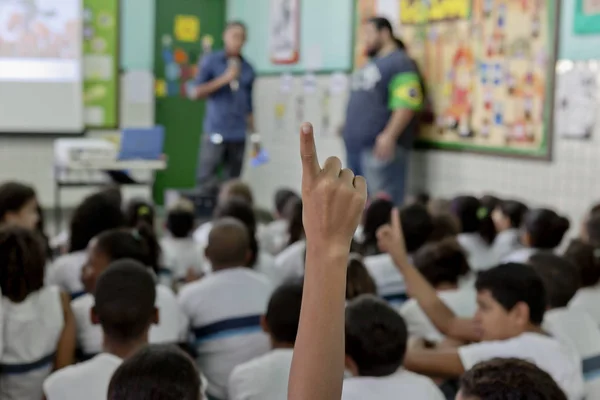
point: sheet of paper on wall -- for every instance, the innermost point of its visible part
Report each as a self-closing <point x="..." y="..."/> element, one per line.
<point x="138" y="87"/>
<point x="286" y="83"/>
<point x="309" y="83"/>
<point x="338" y="83"/>
<point x="576" y="99"/>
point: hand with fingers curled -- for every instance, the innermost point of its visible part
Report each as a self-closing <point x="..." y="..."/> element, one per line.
<point x="333" y="197"/>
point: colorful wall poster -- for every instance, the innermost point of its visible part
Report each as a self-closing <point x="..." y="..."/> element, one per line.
<point x="587" y="16"/>
<point x="366" y="9"/>
<point x="489" y="74"/>
<point x="100" y="63"/>
<point x="417" y="12"/>
<point x="285" y="31"/>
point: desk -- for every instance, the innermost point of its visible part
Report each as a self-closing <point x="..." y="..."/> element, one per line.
<point x="97" y="168"/>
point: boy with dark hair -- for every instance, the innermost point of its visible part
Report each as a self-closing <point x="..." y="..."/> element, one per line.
<point x="225" y="307"/>
<point x="512" y="302"/>
<point x="157" y="372"/>
<point x="376" y="341"/>
<point x="124" y="307"/>
<point x="443" y="264"/>
<point x="266" y="377"/>
<point x="587" y="261"/>
<point x="573" y="327"/>
<point x="508" y="379"/>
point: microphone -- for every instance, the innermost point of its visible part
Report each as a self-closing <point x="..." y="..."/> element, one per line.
<point x="235" y="84"/>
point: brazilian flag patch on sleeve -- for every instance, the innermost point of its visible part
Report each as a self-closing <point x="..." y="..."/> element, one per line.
<point x="405" y="91"/>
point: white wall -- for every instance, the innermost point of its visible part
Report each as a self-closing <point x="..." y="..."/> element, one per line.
<point x="568" y="183"/>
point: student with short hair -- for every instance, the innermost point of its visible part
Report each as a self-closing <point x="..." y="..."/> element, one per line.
<point x="139" y="210"/>
<point x="508" y="379"/>
<point x="266" y="377"/>
<point x="512" y="302"/>
<point x="18" y="205"/>
<point x="124" y="307"/>
<point x="477" y="231"/>
<point x="289" y="263"/>
<point x="376" y="342"/>
<point x="358" y="279"/>
<point x="38" y="330"/>
<point x="573" y="327"/>
<point x="97" y="213"/>
<point x="543" y="231"/>
<point x="157" y="372"/>
<point x="225" y="307"/>
<point x="140" y="245"/>
<point x="183" y="258"/>
<point x="274" y="235"/>
<point x="445" y="225"/>
<point x="586" y="259"/>
<point x="508" y="217"/>
<point x="443" y="264"/>
<point x="417" y="225"/>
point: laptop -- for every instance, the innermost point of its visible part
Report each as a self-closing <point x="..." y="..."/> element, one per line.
<point x="142" y="144"/>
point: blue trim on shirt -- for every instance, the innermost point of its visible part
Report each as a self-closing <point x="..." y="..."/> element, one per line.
<point x="16" y="369"/>
<point x="395" y="298"/>
<point x="591" y="367"/>
<point x="228" y="328"/>
<point x="75" y="295"/>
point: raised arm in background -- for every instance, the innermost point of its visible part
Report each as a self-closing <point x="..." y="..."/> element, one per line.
<point x="391" y="240"/>
<point x="333" y="200"/>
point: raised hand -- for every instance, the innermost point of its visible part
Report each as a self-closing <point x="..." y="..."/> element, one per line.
<point x="390" y="239"/>
<point x="333" y="198"/>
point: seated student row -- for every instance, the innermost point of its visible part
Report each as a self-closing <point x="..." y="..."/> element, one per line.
<point x="147" y="263"/>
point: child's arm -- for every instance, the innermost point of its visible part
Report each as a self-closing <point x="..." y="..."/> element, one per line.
<point x="65" y="350"/>
<point x="391" y="240"/>
<point x="442" y="363"/>
<point x="333" y="202"/>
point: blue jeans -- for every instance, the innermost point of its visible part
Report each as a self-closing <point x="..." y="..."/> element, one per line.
<point x="387" y="176"/>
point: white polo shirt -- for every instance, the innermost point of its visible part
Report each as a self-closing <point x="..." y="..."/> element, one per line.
<point x="463" y="302"/>
<point x="588" y="299"/>
<point x="224" y="310"/>
<point x="479" y="253"/>
<point x="505" y="243"/>
<point x="549" y="354"/>
<point x="172" y="326"/>
<point x="181" y="254"/>
<point x="289" y="264"/>
<point x="576" y="328"/>
<point x="520" y="256"/>
<point x="88" y="380"/>
<point x="273" y="236"/>
<point x="402" y="384"/>
<point x="264" y="378"/>
<point x="389" y="281"/>
<point x="65" y="272"/>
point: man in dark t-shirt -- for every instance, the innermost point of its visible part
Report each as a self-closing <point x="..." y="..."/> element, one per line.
<point x="381" y="118"/>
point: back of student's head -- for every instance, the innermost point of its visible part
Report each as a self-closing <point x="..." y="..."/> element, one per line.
<point x="417" y="226"/>
<point x="474" y="217"/>
<point x="124" y="301"/>
<point x="508" y="379"/>
<point x="181" y="219"/>
<point x="358" y="279"/>
<point x="376" y="336"/>
<point x="586" y="259"/>
<point x="509" y="214"/>
<point x="157" y="372"/>
<point x="544" y="228"/>
<point x="22" y="262"/>
<point x="239" y="209"/>
<point x="592" y="228"/>
<point x="229" y="244"/>
<point x="283" y="312"/>
<point x="236" y="188"/>
<point x="18" y="205"/>
<point x="559" y="275"/>
<point x="293" y="212"/>
<point x="490" y="202"/>
<point x="377" y="214"/>
<point x="138" y="244"/>
<point x="421" y="198"/>
<point x="140" y="211"/>
<point x="511" y="284"/>
<point x="439" y="206"/>
<point x="442" y="263"/>
<point x="96" y="213"/>
<point x="445" y="225"/>
<point x="282" y="198"/>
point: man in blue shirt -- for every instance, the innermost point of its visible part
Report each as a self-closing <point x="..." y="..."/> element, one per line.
<point x="225" y="80"/>
<point x="381" y="118"/>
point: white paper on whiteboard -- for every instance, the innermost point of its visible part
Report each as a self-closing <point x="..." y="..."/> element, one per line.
<point x="138" y="87"/>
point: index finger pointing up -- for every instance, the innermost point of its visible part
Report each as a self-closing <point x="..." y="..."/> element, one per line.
<point x="308" y="153"/>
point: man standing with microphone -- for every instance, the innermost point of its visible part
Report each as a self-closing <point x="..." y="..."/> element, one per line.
<point x="225" y="80"/>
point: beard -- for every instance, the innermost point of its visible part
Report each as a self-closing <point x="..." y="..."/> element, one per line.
<point x="373" y="50"/>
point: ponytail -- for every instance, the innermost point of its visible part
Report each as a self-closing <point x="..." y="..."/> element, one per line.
<point x="149" y="242"/>
<point x="399" y="43"/>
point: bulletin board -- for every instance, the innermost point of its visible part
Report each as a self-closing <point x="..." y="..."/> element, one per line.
<point x="296" y="35"/>
<point x="489" y="66"/>
<point x="101" y="63"/>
